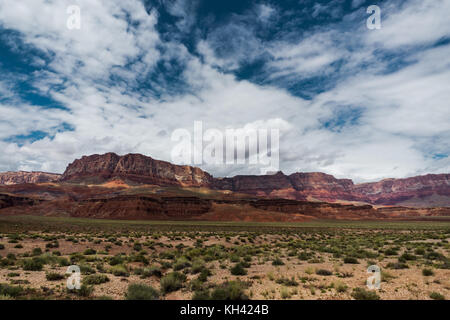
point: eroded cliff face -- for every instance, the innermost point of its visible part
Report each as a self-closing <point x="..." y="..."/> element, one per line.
<point x="142" y="207"/>
<point x="321" y="186"/>
<point x="392" y="191"/>
<point x="7" y="201"/>
<point x="432" y="190"/>
<point x="136" y="168"/>
<point x="253" y="184"/>
<point x="21" y="177"/>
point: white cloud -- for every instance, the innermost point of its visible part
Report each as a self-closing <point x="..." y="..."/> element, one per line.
<point x="415" y="23"/>
<point x="403" y="117"/>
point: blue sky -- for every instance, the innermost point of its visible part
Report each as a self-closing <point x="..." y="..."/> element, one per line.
<point x="349" y="101"/>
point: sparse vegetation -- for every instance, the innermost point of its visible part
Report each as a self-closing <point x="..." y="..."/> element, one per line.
<point x="138" y="291"/>
<point x="271" y="261"/>
<point x="363" y="294"/>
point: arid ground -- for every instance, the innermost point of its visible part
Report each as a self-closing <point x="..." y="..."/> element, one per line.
<point x="222" y="260"/>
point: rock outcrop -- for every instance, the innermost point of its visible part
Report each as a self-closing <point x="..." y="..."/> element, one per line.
<point x="21" y="177"/>
<point x="324" y="187"/>
<point x="7" y="201"/>
<point x="432" y="190"/>
<point x="135" y="168"/>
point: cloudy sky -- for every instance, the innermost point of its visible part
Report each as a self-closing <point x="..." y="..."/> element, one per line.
<point x="349" y="101"/>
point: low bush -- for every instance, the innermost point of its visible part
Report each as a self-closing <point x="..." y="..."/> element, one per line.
<point x="119" y="271"/>
<point x="397" y="265"/>
<point x="323" y="272"/>
<point x="287" y="282"/>
<point x="95" y="279"/>
<point x="202" y="294"/>
<point x="181" y="263"/>
<point x="89" y="251"/>
<point x="427" y="272"/>
<point x="137" y="291"/>
<point x="277" y="262"/>
<point x="232" y="290"/>
<point x="53" y="276"/>
<point x="172" y="282"/>
<point x="238" y="270"/>
<point x="11" y="291"/>
<point x="363" y="294"/>
<point x="33" y="264"/>
<point x="350" y="260"/>
<point x="436" y="296"/>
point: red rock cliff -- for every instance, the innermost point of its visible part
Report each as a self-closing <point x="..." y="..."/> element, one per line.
<point x="134" y="167"/>
<point x="21" y="177"/>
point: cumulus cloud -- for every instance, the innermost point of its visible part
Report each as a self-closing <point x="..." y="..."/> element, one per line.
<point x="124" y="88"/>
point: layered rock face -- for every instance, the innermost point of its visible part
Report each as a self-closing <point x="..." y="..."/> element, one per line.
<point x="21" y="177"/>
<point x="142" y="207"/>
<point x="134" y="167"/>
<point x="431" y="190"/>
<point x="321" y="186"/>
<point x="254" y="184"/>
<point x="391" y="191"/>
<point x="7" y="201"/>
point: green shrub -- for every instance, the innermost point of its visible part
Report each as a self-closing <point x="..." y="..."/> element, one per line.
<point x="407" y="257"/>
<point x="53" y="244"/>
<point x="32" y="264"/>
<point x="427" y="272"/>
<point x="172" y="282"/>
<point x="36" y="252"/>
<point x="116" y="260"/>
<point x="363" y="294"/>
<point x="202" y="294"/>
<point x="95" y="279"/>
<point x="350" y="260"/>
<point x="63" y="262"/>
<point x="277" y="262"/>
<point x="287" y="282"/>
<point x="181" y="263"/>
<point x="340" y="286"/>
<point x="197" y="266"/>
<point x="87" y="269"/>
<point x="203" y="276"/>
<point x="84" y="291"/>
<point x="323" y="272"/>
<point x="11" y="256"/>
<point x="433" y="255"/>
<point x="232" y="290"/>
<point x="238" y="270"/>
<point x="11" y="291"/>
<point x="436" y="296"/>
<point x="391" y="252"/>
<point x="151" y="271"/>
<point x="119" y="271"/>
<point x="397" y="265"/>
<point x="13" y="274"/>
<point x="53" y="276"/>
<point x="89" y="251"/>
<point x="137" y="291"/>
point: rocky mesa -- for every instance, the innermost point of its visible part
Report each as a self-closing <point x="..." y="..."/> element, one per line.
<point x="432" y="190"/>
<point x="21" y="177"/>
<point x="134" y="168"/>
